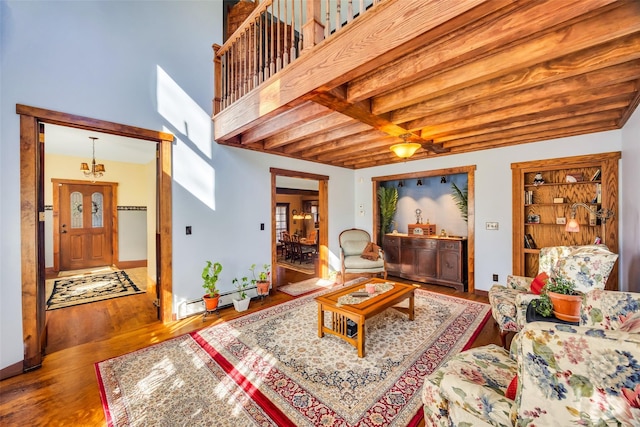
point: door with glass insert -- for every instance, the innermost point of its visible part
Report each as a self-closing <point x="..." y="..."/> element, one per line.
<point x="85" y="226"/>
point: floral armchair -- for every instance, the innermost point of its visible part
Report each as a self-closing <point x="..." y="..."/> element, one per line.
<point x="559" y="374"/>
<point x="588" y="266"/>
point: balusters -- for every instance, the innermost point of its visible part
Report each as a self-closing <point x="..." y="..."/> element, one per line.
<point x="338" y="17"/>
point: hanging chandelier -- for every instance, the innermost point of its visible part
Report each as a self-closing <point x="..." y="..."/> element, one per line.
<point x="96" y="170"/>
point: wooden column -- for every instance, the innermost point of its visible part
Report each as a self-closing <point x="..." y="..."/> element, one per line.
<point x="312" y="30"/>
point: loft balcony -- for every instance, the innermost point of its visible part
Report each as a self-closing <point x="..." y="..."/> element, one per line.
<point x="338" y="82"/>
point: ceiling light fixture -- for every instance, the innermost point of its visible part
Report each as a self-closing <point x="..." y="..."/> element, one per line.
<point x="405" y="149"/>
<point x="96" y="170"/>
<point x="419" y="181"/>
<point x="301" y="215"/>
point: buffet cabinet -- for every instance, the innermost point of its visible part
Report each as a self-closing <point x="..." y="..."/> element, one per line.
<point x="427" y="259"/>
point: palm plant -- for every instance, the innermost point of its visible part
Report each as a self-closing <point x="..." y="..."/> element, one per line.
<point x="460" y="197"/>
<point x="388" y="201"/>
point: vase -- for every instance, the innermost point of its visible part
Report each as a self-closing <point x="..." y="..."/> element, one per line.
<point x="566" y="307"/>
<point x="263" y="287"/>
<point x="241" y="304"/>
<point x="210" y="303"/>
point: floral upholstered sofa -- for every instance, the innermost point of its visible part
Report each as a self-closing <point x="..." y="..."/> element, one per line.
<point x="587" y="266"/>
<point x="557" y="374"/>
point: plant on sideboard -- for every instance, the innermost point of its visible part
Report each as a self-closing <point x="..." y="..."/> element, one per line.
<point x="388" y="201"/>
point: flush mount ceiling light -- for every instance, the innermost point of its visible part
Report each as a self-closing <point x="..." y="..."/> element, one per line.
<point x="96" y="170"/>
<point x="405" y="149"/>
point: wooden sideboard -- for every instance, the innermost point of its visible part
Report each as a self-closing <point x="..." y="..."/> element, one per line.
<point x="427" y="259"/>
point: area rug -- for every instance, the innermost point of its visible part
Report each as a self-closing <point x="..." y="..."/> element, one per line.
<point x="82" y="289"/>
<point x="307" y="268"/>
<point x="293" y="377"/>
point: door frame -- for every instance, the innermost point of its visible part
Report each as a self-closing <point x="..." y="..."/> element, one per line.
<point x="32" y="216"/>
<point x="56" y="216"/>
<point x="323" y="218"/>
<point x="471" y="191"/>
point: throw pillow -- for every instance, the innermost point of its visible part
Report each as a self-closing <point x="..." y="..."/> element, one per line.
<point x="512" y="389"/>
<point x="538" y="283"/>
<point x="631" y="324"/>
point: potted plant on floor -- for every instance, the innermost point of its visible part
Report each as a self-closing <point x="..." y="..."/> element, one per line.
<point x="261" y="279"/>
<point x="210" y="275"/>
<point x="560" y="298"/>
<point x="242" y="303"/>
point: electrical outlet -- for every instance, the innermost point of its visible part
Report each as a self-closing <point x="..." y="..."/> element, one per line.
<point x="492" y="225"/>
<point x="495" y="277"/>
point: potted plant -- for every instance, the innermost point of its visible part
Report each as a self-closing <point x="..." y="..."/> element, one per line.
<point x="261" y="279"/>
<point x="242" y="303"/>
<point x="560" y="298"/>
<point x="210" y="277"/>
<point x="388" y="201"/>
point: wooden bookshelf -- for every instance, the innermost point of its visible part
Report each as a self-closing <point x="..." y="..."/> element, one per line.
<point x="540" y="210"/>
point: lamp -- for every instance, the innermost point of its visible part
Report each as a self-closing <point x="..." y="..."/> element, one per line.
<point x="301" y="215"/>
<point x="405" y="149"/>
<point x="96" y="170"/>
<point x="419" y="181"/>
<point x="602" y="214"/>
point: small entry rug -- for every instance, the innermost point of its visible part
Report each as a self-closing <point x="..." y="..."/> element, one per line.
<point x="306" y="286"/>
<point x="82" y="289"/>
<point x="270" y="368"/>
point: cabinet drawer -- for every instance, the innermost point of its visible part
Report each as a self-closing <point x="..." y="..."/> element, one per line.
<point x="447" y="245"/>
<point x="420" y="243"/>
<point x="391" y="241"/>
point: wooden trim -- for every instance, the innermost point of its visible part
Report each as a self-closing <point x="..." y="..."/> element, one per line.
<point x="11" y="370"/>
<point x="32" y="279"/>
<point x="297" y="174"/>
<point x="470" y="171"/>
<point x="123" y="265"/>
<point x="164" y="227"/>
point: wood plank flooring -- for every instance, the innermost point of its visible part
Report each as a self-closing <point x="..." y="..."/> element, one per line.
<point x="65" y="392"/>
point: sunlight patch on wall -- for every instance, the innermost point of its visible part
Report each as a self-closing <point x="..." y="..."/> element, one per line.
<point x="194" y="173"/>
<point x="184" y="114"/>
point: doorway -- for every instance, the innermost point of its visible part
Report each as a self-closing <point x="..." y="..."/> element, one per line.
<point x="32" y="142"/>
<point x="322" y="209"/>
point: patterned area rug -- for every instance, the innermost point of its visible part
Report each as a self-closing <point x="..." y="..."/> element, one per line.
<point x="82" y="289"/>
<point x="306" y="286"/>
<point x="275" y="356"/>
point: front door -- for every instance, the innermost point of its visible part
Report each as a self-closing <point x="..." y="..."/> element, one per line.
<point x="85" y="225"/>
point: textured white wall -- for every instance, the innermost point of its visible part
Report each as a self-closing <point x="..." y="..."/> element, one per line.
<point x="630" y="206"/>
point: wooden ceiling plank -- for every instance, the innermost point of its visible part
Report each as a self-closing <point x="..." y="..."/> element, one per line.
<point x="293" y="117"/>
<point x="461" y="117"/>
<point x="347" y="142"/>
<point x="341" y="132"/>
<point x="603" y="78"/>
<point x="597" y="29"/>
<point x="614" y="103"/>
<point x="474" y="40"/>
<point x="610" y="54"/>
<point x="307" y="130"/>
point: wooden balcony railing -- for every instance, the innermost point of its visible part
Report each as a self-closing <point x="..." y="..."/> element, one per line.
<point x="274" y="35"/>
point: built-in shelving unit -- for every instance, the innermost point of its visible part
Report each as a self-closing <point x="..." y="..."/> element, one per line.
<point x="543" y="193"/>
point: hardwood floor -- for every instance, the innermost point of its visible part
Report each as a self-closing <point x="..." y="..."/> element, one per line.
<point x="65" y="392"/>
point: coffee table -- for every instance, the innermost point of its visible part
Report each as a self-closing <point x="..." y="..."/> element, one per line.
<point x="360" y="312"/>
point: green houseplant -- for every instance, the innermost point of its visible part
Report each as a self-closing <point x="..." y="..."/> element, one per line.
<point x="559" y="298"/>
<point x="261" y="278"/>
<point x="461" y="199"/>
<point x="242" y="303"/>
<point x="210" y="275"/>
<point x="388" y="201"/>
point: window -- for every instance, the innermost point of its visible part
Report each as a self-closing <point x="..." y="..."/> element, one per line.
<point x="282" y="218"/>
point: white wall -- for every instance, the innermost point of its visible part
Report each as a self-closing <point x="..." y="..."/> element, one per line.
<point x="493" y="191"/>
<point x="104" y="59"/>
<point x="630" y="196"/>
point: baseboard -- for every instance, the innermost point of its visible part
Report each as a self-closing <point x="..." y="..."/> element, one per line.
<point x="481" y="293"/>
<point x="11" y="370"/>
<point x="122" y="265"/>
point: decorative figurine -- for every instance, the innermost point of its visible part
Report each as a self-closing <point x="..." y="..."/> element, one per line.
<point x="537" y="180"/>
<point x="418" y="216"/>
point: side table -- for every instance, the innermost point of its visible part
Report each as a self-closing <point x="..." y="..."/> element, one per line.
<point x="534" y="316"/>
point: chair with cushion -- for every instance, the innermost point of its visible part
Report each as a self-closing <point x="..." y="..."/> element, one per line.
<point x="587" y="266"/>
<point x="555" y="375"/>
<point x="358" y="255"/>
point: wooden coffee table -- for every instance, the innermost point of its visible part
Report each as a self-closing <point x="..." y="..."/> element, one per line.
<point x="360" y="312"/>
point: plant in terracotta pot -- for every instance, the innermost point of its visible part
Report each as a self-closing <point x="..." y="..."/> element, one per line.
<point x="261" y="278"/>
<point x="560" y="298"/>
<point x="242" y="302"/>
<point x="210" y="275"/>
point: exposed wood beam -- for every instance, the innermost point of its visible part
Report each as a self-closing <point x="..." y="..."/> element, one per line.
<point x="313" y="141"/>
<point x="307" y="130"/>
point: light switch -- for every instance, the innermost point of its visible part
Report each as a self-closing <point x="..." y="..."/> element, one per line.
<point x="492" y="225"/>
